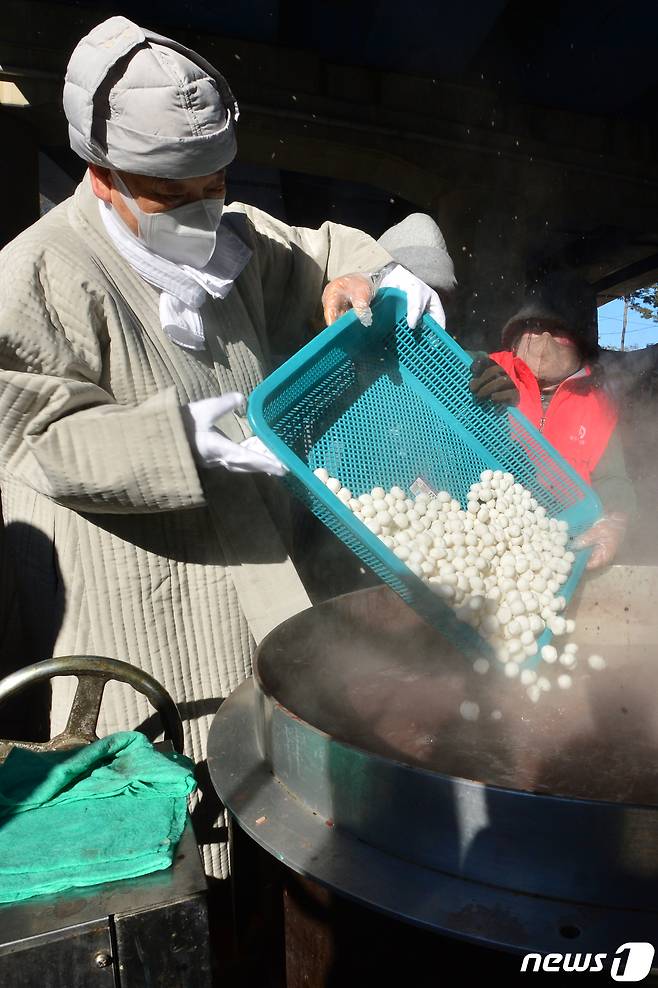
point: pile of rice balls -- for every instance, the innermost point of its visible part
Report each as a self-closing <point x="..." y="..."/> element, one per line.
<point x="499" y="563"/>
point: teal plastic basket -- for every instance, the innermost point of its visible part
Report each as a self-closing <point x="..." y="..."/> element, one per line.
<point x="387" y="405"/>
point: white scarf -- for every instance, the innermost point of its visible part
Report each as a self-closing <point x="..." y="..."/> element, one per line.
<point x="183" y="289"/>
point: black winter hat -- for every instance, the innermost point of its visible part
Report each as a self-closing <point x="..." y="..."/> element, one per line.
<point x="562" y="299"/>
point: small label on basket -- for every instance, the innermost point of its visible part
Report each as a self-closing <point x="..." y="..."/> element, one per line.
<point x="421" y="486"/>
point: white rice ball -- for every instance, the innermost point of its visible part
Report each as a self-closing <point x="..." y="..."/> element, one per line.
<point x="469" y="710"/>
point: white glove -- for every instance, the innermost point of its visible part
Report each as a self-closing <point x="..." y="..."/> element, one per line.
<point x="420" y="297"/>
<point x="214" y="449"/>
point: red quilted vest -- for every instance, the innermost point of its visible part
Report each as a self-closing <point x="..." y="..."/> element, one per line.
<point x="578" y="421"/>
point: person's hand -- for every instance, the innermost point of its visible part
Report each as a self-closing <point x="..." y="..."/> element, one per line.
<point x="420" y="297"/>
<point x="489" y="380"/>
<point x="350" y="291"/>
<point x="214" y="449"/>
<point x="606" y="537"/>
<point x="356" y="291"/>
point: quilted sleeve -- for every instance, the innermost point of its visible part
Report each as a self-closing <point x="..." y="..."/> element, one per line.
<point x="295" y="265"/>
<point x="61" y="431"/>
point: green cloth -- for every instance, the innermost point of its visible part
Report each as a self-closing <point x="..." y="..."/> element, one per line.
<point x="113" y="809"/>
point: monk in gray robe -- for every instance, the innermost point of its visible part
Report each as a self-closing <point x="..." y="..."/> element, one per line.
<point x="132" y="324"/>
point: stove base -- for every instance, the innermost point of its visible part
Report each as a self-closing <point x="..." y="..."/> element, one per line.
<point x="312" y="847"/>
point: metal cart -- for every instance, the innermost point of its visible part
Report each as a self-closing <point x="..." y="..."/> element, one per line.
<point x="149" y="931"/>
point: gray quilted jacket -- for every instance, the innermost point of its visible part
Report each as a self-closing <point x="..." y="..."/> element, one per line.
<point x="148" y="561"/>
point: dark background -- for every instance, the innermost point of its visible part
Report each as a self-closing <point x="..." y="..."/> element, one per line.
<point x="526" y="129"/>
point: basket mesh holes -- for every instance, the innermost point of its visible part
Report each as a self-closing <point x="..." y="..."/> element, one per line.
<point x="399" y="408"/>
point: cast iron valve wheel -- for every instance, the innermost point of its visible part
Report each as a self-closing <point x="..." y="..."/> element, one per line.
<point x="92" y="672"/>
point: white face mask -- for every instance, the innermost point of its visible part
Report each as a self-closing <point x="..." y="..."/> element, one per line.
<point x="185" y="235"/>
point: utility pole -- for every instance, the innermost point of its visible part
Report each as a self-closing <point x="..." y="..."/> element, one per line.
<point x="624" y="321"/>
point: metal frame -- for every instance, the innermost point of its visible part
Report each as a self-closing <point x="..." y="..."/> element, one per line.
<point x="129" y="934"/>
<point x="312" y="846"/>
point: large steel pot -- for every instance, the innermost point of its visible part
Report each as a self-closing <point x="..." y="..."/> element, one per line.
<point x="355" y="716"/>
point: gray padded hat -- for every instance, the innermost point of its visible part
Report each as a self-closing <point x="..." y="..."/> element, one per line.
<point x="418" y="244"/>
<point x="141" y="103"/>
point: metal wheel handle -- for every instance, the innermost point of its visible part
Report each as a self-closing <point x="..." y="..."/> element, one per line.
<point x="93" y="672"/>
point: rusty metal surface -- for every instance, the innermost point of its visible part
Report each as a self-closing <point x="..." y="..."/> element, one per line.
<point x="366" y="670"/>
<point x="85" y="708"/>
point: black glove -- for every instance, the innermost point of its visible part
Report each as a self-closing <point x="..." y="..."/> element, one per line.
<point x="489" y="380"/>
